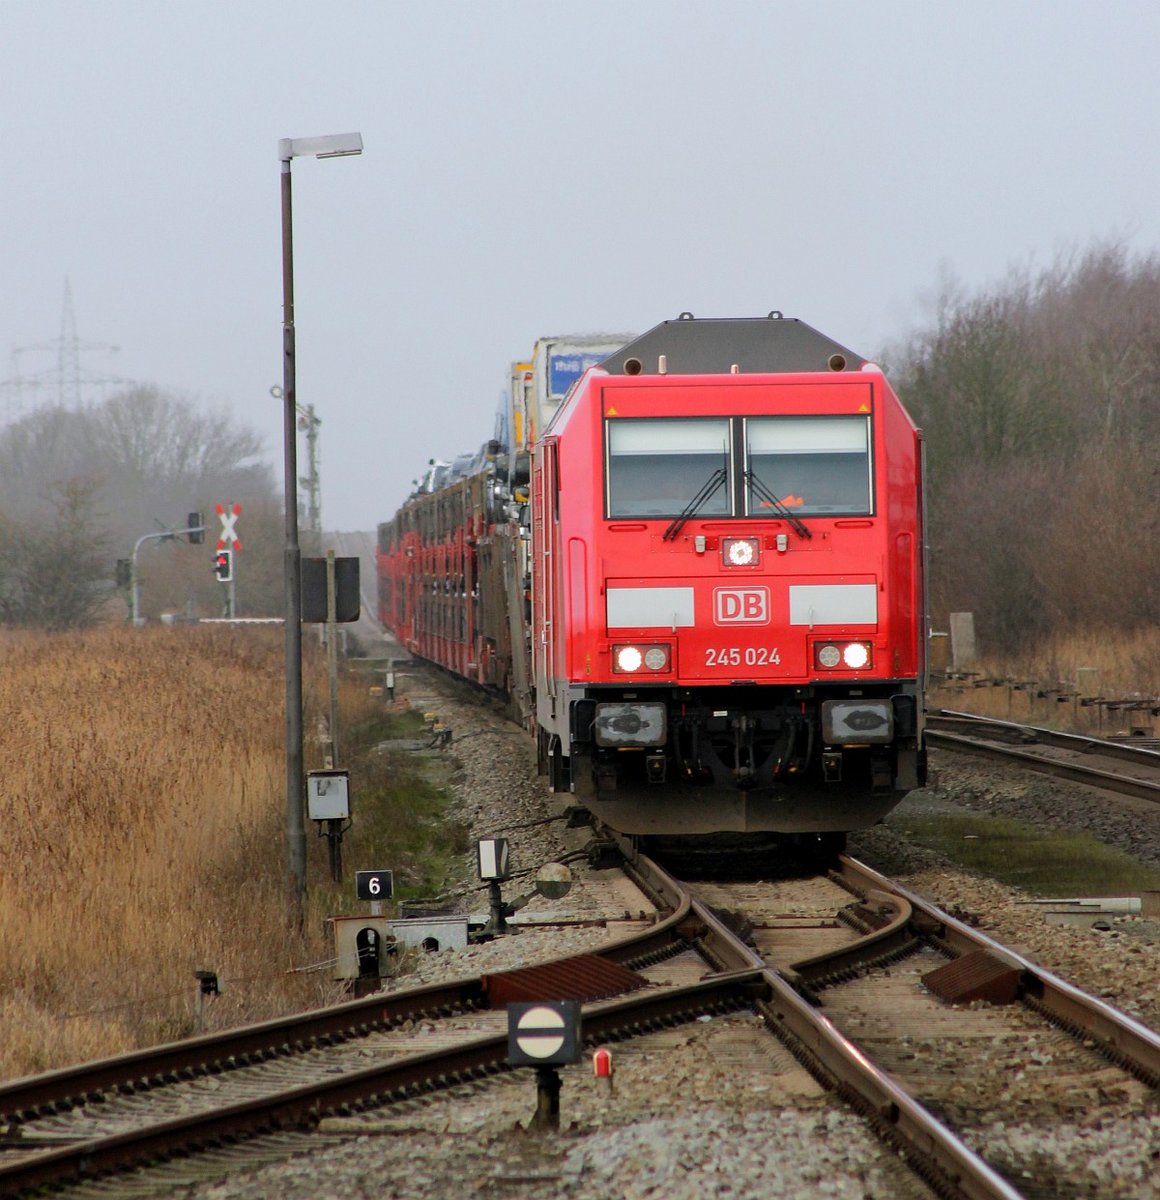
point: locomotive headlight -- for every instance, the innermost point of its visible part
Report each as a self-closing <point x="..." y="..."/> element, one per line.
<point x="856" y="656"/>
<point x="741" y="552"/>
<point x="853" y="656"/>
<point x="626" y="660"/>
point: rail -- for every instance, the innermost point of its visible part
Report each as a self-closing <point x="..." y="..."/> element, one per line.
<point x="740" y="980"/>
<point x="1031" y="747"/>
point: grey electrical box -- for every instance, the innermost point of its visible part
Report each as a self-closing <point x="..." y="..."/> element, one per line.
<point x="328" y="795"/>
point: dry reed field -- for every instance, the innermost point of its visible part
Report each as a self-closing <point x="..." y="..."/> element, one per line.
<point x="143" y="813"/>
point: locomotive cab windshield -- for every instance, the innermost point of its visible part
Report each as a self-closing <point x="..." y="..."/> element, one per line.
<point x="813" y="465"/>
<point x="655" y="466"/>
<point x="739" y="467"/>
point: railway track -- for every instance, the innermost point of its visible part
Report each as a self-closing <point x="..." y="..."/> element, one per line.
<point x="1023" y="1066"/>
<point x="1114" y="766"/>
<point x="806" y="976"/>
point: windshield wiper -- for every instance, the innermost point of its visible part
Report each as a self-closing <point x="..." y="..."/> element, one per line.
<point x="690" y="510"/>
<point x="795" y="523"/>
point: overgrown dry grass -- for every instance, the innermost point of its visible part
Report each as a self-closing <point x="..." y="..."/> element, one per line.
<point x="1113" y="666"/>
<point x="142" y="809"/>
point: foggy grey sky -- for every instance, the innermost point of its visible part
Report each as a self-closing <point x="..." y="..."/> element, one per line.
<point x="534" y="168"/>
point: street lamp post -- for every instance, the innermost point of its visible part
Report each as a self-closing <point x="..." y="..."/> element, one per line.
<point x="330" y="146"/>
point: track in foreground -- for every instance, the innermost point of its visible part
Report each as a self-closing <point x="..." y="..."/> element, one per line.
<point x="742" y="981"/>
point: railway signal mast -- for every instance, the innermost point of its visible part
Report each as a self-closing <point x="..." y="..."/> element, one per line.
<point x="194" y="530"/>
<point x="228" y="544"/>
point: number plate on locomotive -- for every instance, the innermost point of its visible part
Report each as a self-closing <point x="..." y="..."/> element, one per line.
<point x="742" y="656"/>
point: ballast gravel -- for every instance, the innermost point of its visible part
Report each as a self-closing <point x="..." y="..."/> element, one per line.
<point x="674" y="1125"/>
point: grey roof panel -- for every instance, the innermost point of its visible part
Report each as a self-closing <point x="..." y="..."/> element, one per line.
<point x="713" y="346"/>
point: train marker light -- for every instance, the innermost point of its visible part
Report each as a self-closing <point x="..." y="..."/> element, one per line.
<point x="655" y="658"/>
<point x="741" y="552"/>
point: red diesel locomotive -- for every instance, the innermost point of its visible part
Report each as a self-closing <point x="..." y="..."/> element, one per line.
<point x="727" y="623"/>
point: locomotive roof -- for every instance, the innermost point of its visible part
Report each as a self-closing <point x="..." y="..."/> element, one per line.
<point x="712" y="346"/>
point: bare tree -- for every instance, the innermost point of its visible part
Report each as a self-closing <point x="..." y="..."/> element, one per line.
<point x="142" y="460"/>
<point x="53" y="572"/>
<point x="157" y="454"/>
<point x="1038" y="398"/>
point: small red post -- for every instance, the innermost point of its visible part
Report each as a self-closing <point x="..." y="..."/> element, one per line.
<point x="602" y="1069"/>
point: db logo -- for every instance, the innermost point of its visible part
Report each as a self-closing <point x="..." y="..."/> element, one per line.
<point x="741" y="606"/>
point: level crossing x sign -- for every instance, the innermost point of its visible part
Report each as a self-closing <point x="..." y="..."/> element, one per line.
<point x="229" y="518"/>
